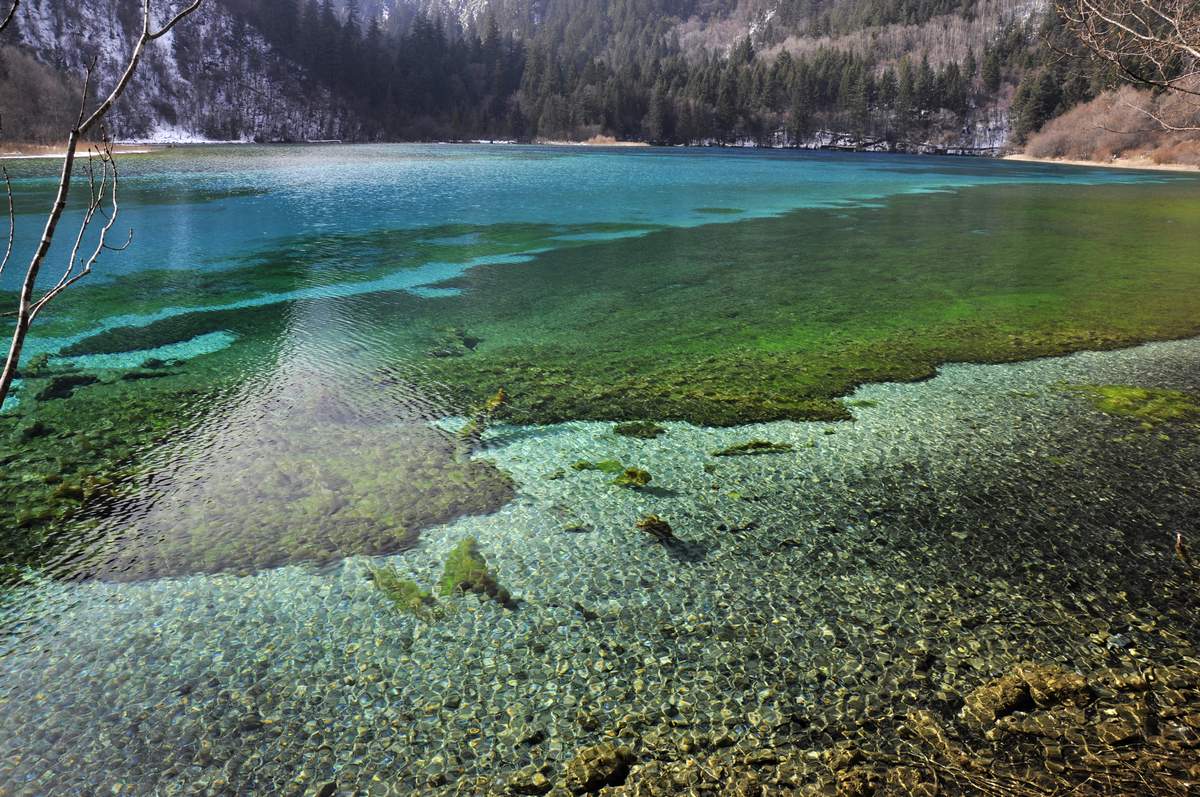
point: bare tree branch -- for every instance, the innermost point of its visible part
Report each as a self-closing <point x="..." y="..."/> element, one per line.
<point x="79" y="266"/>
<point x="12" y="221"/>
<point x="1152" y="42"/>
<point x="1165" y="125"/>
<point x="12" y="12"/>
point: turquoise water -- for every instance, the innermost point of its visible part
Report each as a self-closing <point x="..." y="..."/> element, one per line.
<point x="211" y="207"/>
<point x="323" y="370"/>
<point x="204" y="210"/>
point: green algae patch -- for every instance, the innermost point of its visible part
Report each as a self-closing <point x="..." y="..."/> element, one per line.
<point x="405" y="594"/>
<point x="641" y="430"/>
<point x="634" y="478"/>
<point x="676" y="324"/>
<point x="467" y="571"/>
<point x="754" y="448"/>
<point x="315" y="494"/>
<point x="196" y="472"/>
<point x="604" y="466"/>
<point x="278" y="276"/>
<point x="1150" y="406"/>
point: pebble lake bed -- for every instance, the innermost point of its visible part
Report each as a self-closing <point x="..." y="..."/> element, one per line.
<point x="976" y="583"/>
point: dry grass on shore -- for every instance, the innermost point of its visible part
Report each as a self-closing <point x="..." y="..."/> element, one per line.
<point x="1120" y="128"/>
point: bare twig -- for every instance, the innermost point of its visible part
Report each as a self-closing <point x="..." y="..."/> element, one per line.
<point x="8" y="18"/>
<point x="1152" y="42"/>
<point x="12" y="221"/>
<point x="79" y="266"/>
<point x="1164" y="124"/>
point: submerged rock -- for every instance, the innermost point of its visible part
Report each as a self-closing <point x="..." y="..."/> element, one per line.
<point x="593" y="768"/>
<point x="530" y="780"/>
<point x="633" y="477"/>
<point x="1025" y="688"/>
<point x="657" y="528"/>
<point x="641" y="430"/>
<point x="753" y="448"/>
<point x="467" y="571"/>
<point x="65" y="385"/>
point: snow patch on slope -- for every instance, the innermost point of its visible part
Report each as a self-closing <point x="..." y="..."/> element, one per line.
<point x="210" y="79"/>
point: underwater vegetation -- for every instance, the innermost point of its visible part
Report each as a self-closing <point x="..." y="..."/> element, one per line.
<point x="303" y="491"/>
<point x="306" y="481"/>
<point x="753" y="448"/>
<point x="604" y="466"/>
<point x="635" y="478"/>
<point x="641" y="430"/>
<point x="579" y="332"/>
<point x="656" y="527"/>
<point x="456" y="343"/>
<point x="875" y="294"/>
<point x="64" y="385"/>
<point x="406" y="594"/>
<point x="484" y="414"/>
<point x="467" y="571"/>
<point x="1149" y="406"/>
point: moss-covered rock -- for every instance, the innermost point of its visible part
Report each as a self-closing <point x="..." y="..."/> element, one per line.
<point x="656" y="527"/>
<point x="753" y="448"/>
<point x="641" y="430"/>
<point x="1150" y="406"/>
<point x="467" y="571"/>
<point x="635" y="478"/>
<point x="404" y="593"/>
<point x="604" y="466"/>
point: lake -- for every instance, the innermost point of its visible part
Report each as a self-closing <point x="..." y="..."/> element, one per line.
<point x="420" y="469"/>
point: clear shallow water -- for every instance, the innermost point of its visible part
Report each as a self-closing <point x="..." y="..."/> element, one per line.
<point x="190" y="532"/>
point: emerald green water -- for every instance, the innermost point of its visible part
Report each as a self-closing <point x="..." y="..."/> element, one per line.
<point x="276" y="376"/>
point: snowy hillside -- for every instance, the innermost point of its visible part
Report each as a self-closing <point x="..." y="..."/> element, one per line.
<point x="212" y="78"/>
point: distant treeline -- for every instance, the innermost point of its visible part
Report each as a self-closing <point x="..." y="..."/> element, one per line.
<point x="617" y="69"/>
<point x="573" y="69"/>
<point x="38" y="105"/>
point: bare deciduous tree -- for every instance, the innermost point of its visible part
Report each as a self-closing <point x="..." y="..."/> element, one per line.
<point x="102" y="201"/>
<point x="1154" y="43"/>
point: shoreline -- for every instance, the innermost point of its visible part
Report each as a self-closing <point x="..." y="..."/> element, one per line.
<point x="27" y="152"/>
<point x="46" y="152"/>
<point x="595" y="141"/>
<point x="1139" y="164"/>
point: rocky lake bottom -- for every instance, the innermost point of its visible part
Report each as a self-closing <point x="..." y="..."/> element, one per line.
<point x="973" y="587"/>
<point x="296" y="497"/>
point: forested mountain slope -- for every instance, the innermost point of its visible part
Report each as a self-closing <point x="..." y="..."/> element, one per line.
<point x="889" y="74"/>
<point x="215" y="77"/>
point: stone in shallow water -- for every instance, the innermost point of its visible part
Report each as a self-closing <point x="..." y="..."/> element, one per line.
<point x="1024" y="688"/>
<point x="65" y="385"/>
<point x="595" y="767"/>
<point x="530" y="780"/>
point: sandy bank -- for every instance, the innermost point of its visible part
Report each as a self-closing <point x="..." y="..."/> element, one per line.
<point x="31" y="151"/>
<point x="1118" y="163"/>
<point x="594" y="141"/>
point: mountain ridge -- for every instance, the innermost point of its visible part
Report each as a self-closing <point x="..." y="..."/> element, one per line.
<point x="916" y="75"/>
